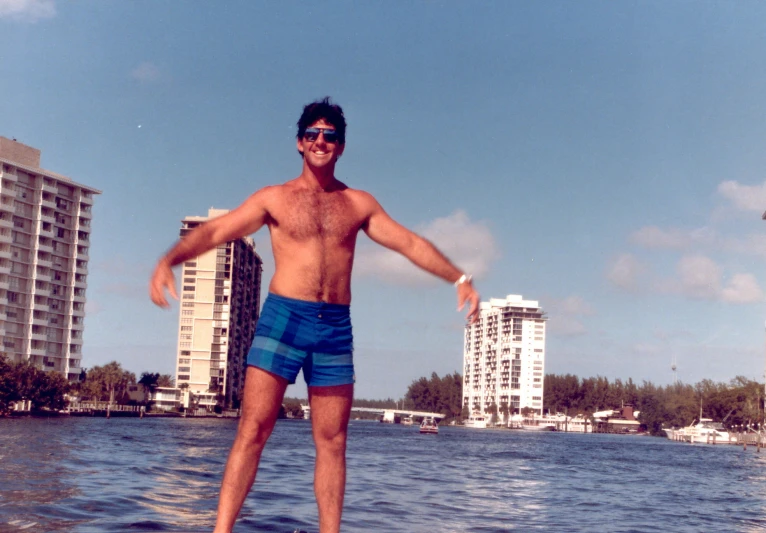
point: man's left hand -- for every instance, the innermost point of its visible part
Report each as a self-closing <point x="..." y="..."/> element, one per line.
<point x="467" y="293"/>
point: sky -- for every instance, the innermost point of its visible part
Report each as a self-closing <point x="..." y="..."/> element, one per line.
<point x="603" y="158"/>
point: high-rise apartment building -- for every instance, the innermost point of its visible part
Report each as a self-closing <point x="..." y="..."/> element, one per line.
<point x="45" y="223"/>
<point x="504" y="357"/>
<point x="220" y="297"/>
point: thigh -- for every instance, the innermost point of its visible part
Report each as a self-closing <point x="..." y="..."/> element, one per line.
<point x="262" y="399"/>
<point x="330" y="410"/>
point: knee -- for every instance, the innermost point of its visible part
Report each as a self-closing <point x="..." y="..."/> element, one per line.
<point x="331" y="444"/>
<point x="253" y="435"/>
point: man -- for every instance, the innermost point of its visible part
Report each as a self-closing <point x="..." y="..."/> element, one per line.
<point x="305" y="324"/>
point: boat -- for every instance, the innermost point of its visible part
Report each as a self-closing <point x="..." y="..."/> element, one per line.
<point x="705" y="432"/>
<point x="476" y="420"/>
<point x="408" y="421"/>
<point x="429" y="425"/>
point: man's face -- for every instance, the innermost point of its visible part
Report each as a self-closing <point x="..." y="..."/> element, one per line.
<point x="320" y="152"/>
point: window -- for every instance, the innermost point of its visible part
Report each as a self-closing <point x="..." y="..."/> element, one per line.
<point x="189" y="287"/>
<point x="185" y="345"/>
<point x="190" y="273"/>
<point x="13" y="297"/>
<point x="184" y="361"/>
<point x="188" y="296"/>
<point x="538" y="350"/>
<point x="183" y="369"/>
<point x="186" y="328"/>
<point x="186" y="337"/>
<point x="183" y="377"/>
<point x="190" y="264"/>
<point x="185" y="352"/>
<point x="189" y="280"/>
<point x="186" y="321"/>
<point x="187" y="304"/>
<point x="187" y="312"/>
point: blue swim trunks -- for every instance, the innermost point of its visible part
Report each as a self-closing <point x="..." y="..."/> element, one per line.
<point x="315" y="336"/>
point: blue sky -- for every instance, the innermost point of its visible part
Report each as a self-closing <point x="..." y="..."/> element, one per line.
<point x="604" y="158"/>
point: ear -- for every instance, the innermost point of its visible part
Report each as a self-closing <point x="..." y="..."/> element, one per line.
<point x="299" y="145"/>
<point x="340" y="150"/>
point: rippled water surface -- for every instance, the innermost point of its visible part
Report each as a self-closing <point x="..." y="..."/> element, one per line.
<point x="97" y="475"/>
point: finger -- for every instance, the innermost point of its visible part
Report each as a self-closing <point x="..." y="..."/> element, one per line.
<point x="172" y="289"/>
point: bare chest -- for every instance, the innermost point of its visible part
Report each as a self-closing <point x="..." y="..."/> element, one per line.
<point x="309" y="215"/>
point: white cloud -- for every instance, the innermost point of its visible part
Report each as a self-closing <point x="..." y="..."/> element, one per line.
<point x="27" y="10"/>
<point x="742" y="289"/>
<point x="469" y="245"/>
<point x="146" y="72"/>
<point x="565" y="315"/>
<point x="625" y="271"/>
<point x="700" y="277"/>
<point x="744" y="197"/>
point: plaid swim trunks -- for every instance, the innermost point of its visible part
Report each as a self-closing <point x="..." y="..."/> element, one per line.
<point x="315" y="336"/>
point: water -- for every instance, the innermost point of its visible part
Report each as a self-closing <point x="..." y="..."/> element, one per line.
<point x="95" y="475"/>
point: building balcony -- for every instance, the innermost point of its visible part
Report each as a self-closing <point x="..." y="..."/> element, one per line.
<point x="10" y="176"/>
<point x="41" y="306"/>
<point x="6" y="223"/>
<point x="82" y="256"/>
<point x="42" y="292"/>
<point x="48" y="187"/>
<point x="83" y="271"/>
<point x="86" y="214"/>
<point x="44" y="262"/>
<point x="5" y="254"/>
<point x="48" y="218"/>
<point x="7" y="207"/>
<point x="86" y="199"/>
<point x="48" y="203"/>
<point x="81" y="284"/>
<point x="39" y="336"/>
<point x="37" y="351"/>
<point x="78" y="312"/>
<point x="45" y="247"/>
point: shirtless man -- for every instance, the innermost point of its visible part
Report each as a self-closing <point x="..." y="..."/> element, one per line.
<point x="313" y="220"/>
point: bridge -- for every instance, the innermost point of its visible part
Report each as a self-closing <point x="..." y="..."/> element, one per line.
<point x="389" y="415"/>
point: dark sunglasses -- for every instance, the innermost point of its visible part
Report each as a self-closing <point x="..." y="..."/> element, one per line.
<point x="312" y="134"/>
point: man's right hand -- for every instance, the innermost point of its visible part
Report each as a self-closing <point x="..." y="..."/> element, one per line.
<point x="162" y="279"/>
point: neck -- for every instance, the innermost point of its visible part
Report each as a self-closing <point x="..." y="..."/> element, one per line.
<point x="322" y="178"/>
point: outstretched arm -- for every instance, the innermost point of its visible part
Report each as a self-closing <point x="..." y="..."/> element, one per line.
<point x="244" y="220"/>
<point x="385" y="231"/>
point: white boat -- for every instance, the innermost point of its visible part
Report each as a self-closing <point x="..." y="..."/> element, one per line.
<point x="429" y="425"/>
<point x="703" y="432"/>
<point x="408" y="421"/>
<point x="476" y="420"/>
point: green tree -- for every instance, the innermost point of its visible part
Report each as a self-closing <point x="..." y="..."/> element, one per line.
<point x="108" y="382"/>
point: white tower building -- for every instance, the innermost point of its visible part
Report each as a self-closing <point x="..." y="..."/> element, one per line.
<point x="220" y="300"/>
<point x="45" y="223"/>
<point x="504" y="357"/>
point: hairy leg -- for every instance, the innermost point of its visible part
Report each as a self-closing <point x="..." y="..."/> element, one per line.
<point x="330" y="409"/>
<point x="260" y="407"/>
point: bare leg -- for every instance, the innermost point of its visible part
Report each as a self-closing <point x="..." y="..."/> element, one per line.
<point x="260" y="408"/>
<point x="330" y="409"/>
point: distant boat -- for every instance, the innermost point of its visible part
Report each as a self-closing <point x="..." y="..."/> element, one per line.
<point x="476" y="420"/>
<point x="703" y="432"/>
<point x="429" y="425"/>
<point x="408" y="421"/>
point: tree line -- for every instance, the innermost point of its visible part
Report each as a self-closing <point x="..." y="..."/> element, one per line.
<point x="736" y="403"/>
<point x="22" y="381"/>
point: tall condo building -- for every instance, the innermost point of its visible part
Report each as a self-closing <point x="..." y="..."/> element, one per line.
<point x="45" y="223"/>
<point x="504" y="357"/>
<point x="220" y="299"/>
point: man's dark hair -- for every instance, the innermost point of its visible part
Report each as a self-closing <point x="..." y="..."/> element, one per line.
<point x="323" y="109"/>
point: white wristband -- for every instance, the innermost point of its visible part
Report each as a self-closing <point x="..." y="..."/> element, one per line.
<point x="462" y="279"/>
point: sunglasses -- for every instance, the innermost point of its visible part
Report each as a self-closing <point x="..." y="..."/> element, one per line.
<point x="312" y="134"/>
